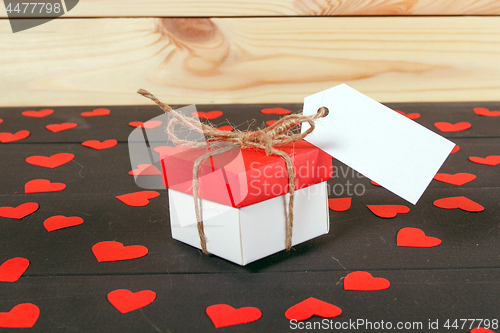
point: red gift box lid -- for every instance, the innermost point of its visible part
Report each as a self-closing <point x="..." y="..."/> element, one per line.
<point x="243" y="177"/>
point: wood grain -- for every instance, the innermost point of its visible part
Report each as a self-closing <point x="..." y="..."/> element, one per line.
<point x="230" y="60"/>
<point x="210" y="8"/>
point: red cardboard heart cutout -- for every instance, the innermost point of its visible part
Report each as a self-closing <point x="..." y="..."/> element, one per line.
<point x="20" y="211"/>
<point x="388" y="211"/>
<point x="145" y="170"/>
<point x="485" y="112"/>
<point x="457" y="179"/>
<point x="447" y="127"/>
<point x="412" y="116"/>
<point x="488" y="160"/>
<point x="207" y="115"/>
<point x="414" y="237"/>
<point x="148" y="124"/>
<point x="278" y="111"/>
<point x="12" y="269"/>
<point x="38" y="114"/>
<point x="22" y="315"/>
<point x="60" y="127"/>
<point x="115" y="251"/>
<point x="6" y="137"/>
<point x="223" y="315"/>
<point x="339" y="204"/>
<point x="481" y="330"/>
<point x="100" y="145"/>
<point x="312" y="307"/>
<point x="42" y="186"/>
<point x="50" y="162"/>
<point x="364" y="281"/>
<point x="125" y="301"/>
<point x="96" y="113"/>
<point x="455" y="149"/>
<point x="138" y="199"/>
<point x="459" y="202"/>
<point x="59" y="222"/>
<point x="226" y="128"/>
<point x="270" y="122"/>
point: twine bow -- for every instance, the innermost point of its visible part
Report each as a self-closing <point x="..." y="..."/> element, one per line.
<point x="277" y="134"/>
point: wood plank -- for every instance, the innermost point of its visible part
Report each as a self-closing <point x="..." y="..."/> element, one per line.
<point x="253" y="60"/>
<point x="209" y="8"/>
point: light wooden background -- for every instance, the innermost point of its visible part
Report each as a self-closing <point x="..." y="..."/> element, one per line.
<point x="258" y="51"/>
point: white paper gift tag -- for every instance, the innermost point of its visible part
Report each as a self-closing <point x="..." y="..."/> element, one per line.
<point x="383" y="145"/>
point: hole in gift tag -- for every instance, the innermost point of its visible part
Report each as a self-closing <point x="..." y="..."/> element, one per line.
<point x="325" y="110"/>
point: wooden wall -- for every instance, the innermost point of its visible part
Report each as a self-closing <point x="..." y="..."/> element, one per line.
<point x="258" y="51"/>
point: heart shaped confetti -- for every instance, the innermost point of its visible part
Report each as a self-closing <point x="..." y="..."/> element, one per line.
<point x="1" y="120"/>
<point x="22" y="315"/>
<point x="38" y="114"/>
<point x="100" y="145"/>
<point x="412" y="116"/>
<point x="60" y="222"/>
<point x="60" y="127"/>
<point x="414" y="237"/>
<point x="481" y="330"/>
<point x="339" y="204"/>
<point x="125" y="301"/>
<point x="148" y="124"/>
<point x="455" y="149"/>
<point x="96" y="113"/>
<point x="485" y="112"/>
<point x="278" y="111"/>
<point x="116" y="251"/>
<point x="364" y="281"/>
<point x="457" y="179"/>
<point x="223" y="315"/>
<point x="138" y="199"/>
<point x="12" y="269"/>
<point x="312" y="307"/>
<point x="270" y="122"/>
<point x="374" y="183"/>
<point x="461" y="202"/>
<point x="447" y="127"/>
<point x="388" y="211"/>
<point x="207" y="115"/>
<point x="42" y="186"/>
<point x="50" y="162"/>
<point x="488" y="160"/>
<point x="145" y="170"/>
<point x="6" y="137"/>
<point x="20" y="211"/>
<point x="226" y="128"/>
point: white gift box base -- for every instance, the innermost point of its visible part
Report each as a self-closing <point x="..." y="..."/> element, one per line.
<point x="246" y="234"/>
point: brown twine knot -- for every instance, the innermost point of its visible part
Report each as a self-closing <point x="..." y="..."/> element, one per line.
<point x="277" y="134"/>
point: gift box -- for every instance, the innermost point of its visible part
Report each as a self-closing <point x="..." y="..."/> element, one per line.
<point x="244" y="195"/>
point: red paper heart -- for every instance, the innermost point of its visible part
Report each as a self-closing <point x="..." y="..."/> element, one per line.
<point x="145" y="170"/>
<point x="364" y="281"/>
<point x="22" y="315"/>
<point x="488" y="160"/>
<point x="148" y="124"/>
<point x="100" y="145"/>
<point x="59" y="222"/>
<point x="455" y="149"/>
<point x="125" y="301"/>
<point x="115" y="251"/>
<point x="60" y="127"/>
<point x="312" y="307"/>
<point x="42" y="186"/>
<point x="481" y="330"/>
<point x="20" y="211"/>
<point x="138" y="199"/>
<point x="447" y="127"/>
<point x="226" y="128"/>
<point x="50" y="162"/>
<point x="270" y="122"/>
<point x="339" y="204"/>
<point x="223" y="315"/>
<point x="388" y="211"/>
<point x="278" y="111"/>
<point x="207" y="115"/>
<point x="12" y="269"/>
<point x="38" y="114"/>
<point x="1" y="120"/>
<point x="457" y="179"/>
<point x="459" y="202"/>
<point x="374" y="183"/>
<point x="412" y="116"/>
<point x="485" y="112"/>
<point x="96" y="113"/>
<point x="414" y="237"/>
<point x="6" y="137"/>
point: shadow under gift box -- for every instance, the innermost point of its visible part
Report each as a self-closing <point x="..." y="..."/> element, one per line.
<point x="245" y="198"/>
